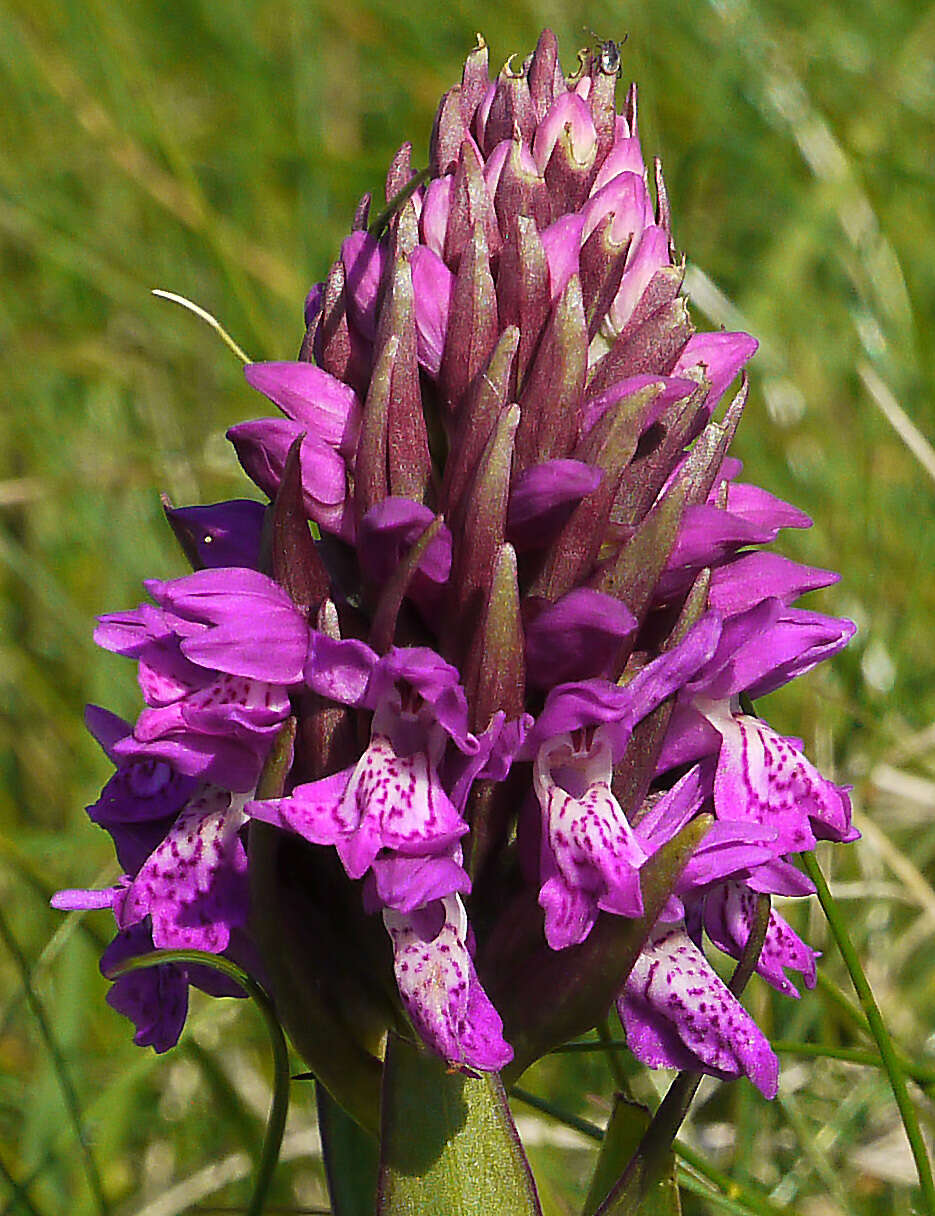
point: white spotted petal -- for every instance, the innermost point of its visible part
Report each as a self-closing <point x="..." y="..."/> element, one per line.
<point x="193" y="886"/>
<point x="440" y="988"/>
<point x="677" y="1013"/>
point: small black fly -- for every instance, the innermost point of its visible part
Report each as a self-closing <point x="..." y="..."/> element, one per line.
<point x="608" y="53"/>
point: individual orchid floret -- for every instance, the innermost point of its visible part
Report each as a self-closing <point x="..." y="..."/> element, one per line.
<point x="590" y="857"/>
<point x="393" y="800"/>
<point x="192" y="887"/>
<point x="440" y="988"/>
<point x="215" y="659"/>
<point x="677" y="1013"/>
<point x="728" y="913"/>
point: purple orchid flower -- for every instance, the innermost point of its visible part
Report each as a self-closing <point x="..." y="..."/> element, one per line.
<point x="550" y="689"/>
<point x="677" y="1013"/>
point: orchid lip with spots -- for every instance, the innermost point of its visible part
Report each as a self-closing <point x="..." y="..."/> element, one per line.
<point x="502" y="593"/>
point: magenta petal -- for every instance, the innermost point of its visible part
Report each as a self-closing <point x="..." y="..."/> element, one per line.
<point x="620" y="707"/>
<point x="315" y="811"/>
<point x="339" y="669"/>
<point x="436" y="207"/>
<point x="730" y="913"/>
<point x="799" y="641"/>
<point x="254" y="628"/>
<point x="781" y="877"/>
<point x="767" y="646"/>
<point x="690" y="738"/>
<point x="755" y="577"/>
<point x="721" y="354"/>
<point x="567" y="113"/>
<point x="237" y="762"/>
<point x="671" y="389"/>
<point x="764" y="510"/>
<point x="364" y="259"/>
<point x="729" y="849"/>
<point x="647" y="255"/>
<point x="627" y="198"/>
<point x="440" y="988"/>
<point x="432" y="285"/>
<point x="435" y="681"/>
<point x="678" y="1014"/>
<point x="561" y="242"/>
<point x="624" y="157"/>
<point x="576" y="637"/>
<point x="542" y="498"/>
<point x="324" y="407"/>
<point x="764" y="778"/>
<point x="408" y="883"/>
<point x="390" y="529"/>
<point x="74" y="899"/>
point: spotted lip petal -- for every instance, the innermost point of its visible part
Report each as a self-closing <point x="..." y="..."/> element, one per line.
<point x="194" y="885"/>
<point x="386" y="802"/>
<point x="729" y="914"/>
<point x="765" y="778"/>
<point x="677" y="1013"/>
<point x="440" y="988"/>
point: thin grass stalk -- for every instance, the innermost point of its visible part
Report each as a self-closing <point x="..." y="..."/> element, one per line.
<point x="742" y="1199"/>
<point x="888" y="1053"/>
<point x="279" y="1106"/>
<point x="69" y="1095"/>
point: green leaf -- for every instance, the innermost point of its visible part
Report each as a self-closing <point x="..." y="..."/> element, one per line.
<point x="449" y="1145"/>
<point x="351" y="1159"/>
<point x="628" y="1124"/>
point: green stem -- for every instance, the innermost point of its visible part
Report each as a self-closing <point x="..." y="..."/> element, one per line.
<point x="868" y="1004"/>
<point x="922" y="1075"/>
<point x="276" y="1124"/>
<point x="747" y="1200"/>
<point x="58" y="1062"/>
<point x="752" y="1201"/>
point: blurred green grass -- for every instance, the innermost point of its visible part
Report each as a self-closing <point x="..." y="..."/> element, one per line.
<point x="217" y="149"/>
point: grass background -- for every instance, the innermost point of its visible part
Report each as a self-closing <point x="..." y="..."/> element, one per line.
<point x="217" y="148"/>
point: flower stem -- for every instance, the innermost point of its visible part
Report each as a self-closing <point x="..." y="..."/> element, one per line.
<point x="888" y="1053"/>
<point x="613" y="1060"/>
<point x="276" y="1123"/>
<point x="742" y="1198"/>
